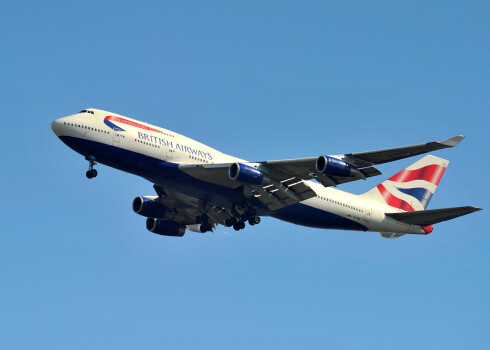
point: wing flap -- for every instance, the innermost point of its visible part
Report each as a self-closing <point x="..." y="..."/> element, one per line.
<point x="282" y="194"/>
<point x="430" y="217"/>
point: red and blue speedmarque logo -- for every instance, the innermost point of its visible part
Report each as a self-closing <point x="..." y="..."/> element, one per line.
<point x="110" y="119"/>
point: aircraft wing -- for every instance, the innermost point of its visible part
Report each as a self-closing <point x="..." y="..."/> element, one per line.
<point x="305" y="169"/>
<point x="283" y="182"/>
<point x="280" y="190"/>
<point x="381" y="156"/>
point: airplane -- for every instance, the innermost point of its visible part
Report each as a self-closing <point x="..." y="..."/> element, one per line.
<point x="198" y="187"/>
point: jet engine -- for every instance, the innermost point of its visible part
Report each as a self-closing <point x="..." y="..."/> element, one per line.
<point x="246" y="174"/>
<point x="150" y="208"/>
<point x="165" y="227"/>
<point x="335" y="167"/>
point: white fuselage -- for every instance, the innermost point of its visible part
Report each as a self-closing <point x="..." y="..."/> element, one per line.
<point x="93" y="127"/>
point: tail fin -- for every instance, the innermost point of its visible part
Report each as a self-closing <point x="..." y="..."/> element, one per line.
<point x="412" y="188"/>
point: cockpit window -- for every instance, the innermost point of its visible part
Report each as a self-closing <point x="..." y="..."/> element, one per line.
<point x="85" y="111"/>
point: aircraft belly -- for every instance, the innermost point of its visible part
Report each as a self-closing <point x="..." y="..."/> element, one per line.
<point x="302" y="214"/>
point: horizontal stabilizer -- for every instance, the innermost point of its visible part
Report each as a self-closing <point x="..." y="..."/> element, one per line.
<point x="430" y="217"/>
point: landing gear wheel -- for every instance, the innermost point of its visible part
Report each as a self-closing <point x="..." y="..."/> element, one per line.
<point x="240" y="225"/>
<point x="254" y="220"/>
<point x="91" y="173"/>
<point x="206" y="228"/>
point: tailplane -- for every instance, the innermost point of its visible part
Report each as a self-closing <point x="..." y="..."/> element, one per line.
<point x="426" y="218"/>
<point x="429" y="217"/>
<point x="412" y="188"/>
<point x="409" y="192"/>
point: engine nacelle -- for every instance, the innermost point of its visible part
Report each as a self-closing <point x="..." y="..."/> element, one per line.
<point x="335" y="167"/>
<point x="165" y="227"/>
<point x="148" y="207"/>
<point x="246" y="174"/>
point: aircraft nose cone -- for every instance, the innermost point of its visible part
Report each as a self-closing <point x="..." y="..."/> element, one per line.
<point x="56" y="127"/>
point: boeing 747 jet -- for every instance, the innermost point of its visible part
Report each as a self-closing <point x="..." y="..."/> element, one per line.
<point x="198" y="187"/>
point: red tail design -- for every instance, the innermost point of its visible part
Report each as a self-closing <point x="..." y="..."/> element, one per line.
<point x="430" y="173"/>
<point x="393" y="201"/>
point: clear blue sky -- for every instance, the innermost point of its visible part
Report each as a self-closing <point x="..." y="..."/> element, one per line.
<point x="260" y="81"/>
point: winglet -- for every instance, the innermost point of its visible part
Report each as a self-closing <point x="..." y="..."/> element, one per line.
<point x="453" y="141"/>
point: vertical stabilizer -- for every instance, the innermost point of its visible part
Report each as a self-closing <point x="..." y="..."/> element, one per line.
<point x="412" y="188"/>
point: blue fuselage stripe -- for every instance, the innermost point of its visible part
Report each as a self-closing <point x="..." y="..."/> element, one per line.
<point x="169" y="176"/>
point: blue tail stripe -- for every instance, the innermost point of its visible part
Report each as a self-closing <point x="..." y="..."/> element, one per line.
<point x="423" y="195"/>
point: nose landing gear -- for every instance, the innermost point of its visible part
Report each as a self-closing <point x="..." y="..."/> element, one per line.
<point x="91" y="173"/>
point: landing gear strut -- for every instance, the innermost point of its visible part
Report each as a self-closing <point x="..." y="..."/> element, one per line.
<point x="91" y="173"/>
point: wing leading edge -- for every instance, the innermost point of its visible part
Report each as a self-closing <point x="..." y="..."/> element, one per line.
<point x="381" y="156"/>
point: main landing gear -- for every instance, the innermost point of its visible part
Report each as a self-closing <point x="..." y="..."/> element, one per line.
<point x="91" y="173"/>
<point x="204" y="221"/>
<point x="238" y="222"/>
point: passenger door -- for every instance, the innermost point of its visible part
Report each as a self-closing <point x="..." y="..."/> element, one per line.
<point x="116" y="138"/>
<point x="367" y="214"/>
